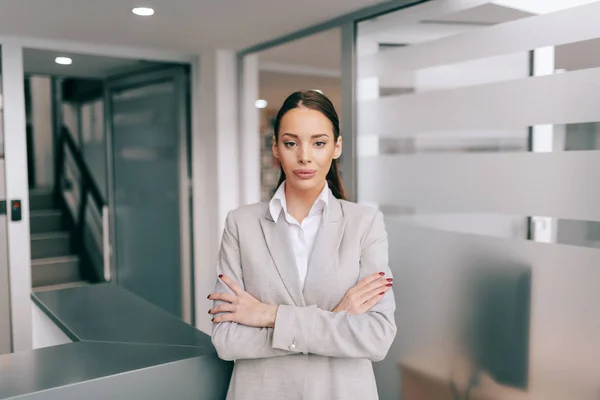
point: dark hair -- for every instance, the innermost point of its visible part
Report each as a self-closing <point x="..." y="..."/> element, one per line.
<point x="314" y="100"/>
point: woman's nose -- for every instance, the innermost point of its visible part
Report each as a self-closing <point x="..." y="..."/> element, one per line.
<point x="304" y="155"/>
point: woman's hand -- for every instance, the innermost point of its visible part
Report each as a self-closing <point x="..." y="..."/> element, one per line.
<point x="365" y="294"/>
<point x="241" y="307"/>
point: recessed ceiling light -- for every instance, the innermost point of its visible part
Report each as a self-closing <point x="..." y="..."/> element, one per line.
<point x="261" y="103"/>
<point x="143" y="11"/>
<point x="63" y="60"/>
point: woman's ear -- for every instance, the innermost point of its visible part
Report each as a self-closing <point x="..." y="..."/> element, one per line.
<point x="337" y="153"/>
<point x="275" y="149"/>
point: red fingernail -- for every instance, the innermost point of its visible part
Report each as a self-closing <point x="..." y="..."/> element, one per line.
<point x="382" y="273"/>
<point x="389" y="279"/>
<point x="220" y="276"/>
<point x="389" y="285"/>
<point x="209" y="311"/>
<point x="208" y="297"/>
<point x="212" y="320"/>
<point x="382" y="293"/>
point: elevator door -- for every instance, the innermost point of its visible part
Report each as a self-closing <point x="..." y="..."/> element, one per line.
<point x="149" y="187"/>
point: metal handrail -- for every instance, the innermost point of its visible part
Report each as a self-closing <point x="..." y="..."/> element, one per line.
<point x="86" y="186"/>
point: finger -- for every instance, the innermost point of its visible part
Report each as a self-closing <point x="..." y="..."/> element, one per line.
<point x="374" y="293"/>
<point x="378" y="284"/>
<point x="227" y="317"/>
<point x="228" y="297"/>
<point x="221" y="308"/>
<point x="366" y="306"/>
<point x="231" y="284"/>
<point x="369" y="279"/>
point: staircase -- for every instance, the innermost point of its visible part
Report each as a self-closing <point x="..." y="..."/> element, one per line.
<point x="53" y="262"/>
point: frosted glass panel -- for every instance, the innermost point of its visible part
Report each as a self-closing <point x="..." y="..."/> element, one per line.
<point x="482" y="38"/>
<point x="433" y="271"/>
<point x="563" y="185"/>
<point x="556" y="99"/>
<point x="478" y="137"/>
<point x="146" y="152"/>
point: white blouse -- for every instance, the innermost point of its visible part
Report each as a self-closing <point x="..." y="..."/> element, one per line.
<point x="302" y="235"/>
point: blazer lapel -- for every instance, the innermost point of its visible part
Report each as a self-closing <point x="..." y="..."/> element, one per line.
<point x="278" y="242"/>
<point x="324" y="255"/>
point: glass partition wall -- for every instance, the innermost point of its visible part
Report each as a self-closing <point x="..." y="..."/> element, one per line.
<point x="477" y="136"/>
<point x="310" y="63"/>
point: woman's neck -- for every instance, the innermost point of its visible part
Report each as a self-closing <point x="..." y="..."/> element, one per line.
<point x="299" y="202"/>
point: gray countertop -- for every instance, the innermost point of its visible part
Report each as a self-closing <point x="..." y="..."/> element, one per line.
<point x="109" y="313"/>
<point x="115" y="333"/>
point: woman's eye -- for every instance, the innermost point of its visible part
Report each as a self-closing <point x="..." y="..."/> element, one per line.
<point x="289" y="144"/>
<point x="320" y="144"/>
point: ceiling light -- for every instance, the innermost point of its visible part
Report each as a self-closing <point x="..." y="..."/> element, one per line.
<point x="63" y="60"/>
<point x="143" y="11"/>
<point x="261" y="103"/>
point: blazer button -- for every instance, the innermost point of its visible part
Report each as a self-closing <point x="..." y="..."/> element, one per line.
<point x="292" y="347"/>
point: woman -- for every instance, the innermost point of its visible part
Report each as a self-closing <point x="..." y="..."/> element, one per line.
<point x="303" y="302"/>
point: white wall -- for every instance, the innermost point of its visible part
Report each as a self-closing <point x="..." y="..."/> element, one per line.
<point x="41" y="119"/>
<point x="15" y="158"/>
<point x="45" y="332"/>
<point x="215" y="168"/>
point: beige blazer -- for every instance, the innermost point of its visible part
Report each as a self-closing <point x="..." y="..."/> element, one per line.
<point x="311" y="353"/>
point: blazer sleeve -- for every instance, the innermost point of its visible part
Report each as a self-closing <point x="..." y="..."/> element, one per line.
<point x="231" y="340"/>
<point x="370" y="335"/>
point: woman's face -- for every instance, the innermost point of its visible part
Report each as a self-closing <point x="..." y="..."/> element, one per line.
<point x="306" y="147"/>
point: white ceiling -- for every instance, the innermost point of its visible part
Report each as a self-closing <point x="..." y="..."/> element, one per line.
<point x="182" y="25"/>
<point x="41" y="62"/>
<point x="321" y="53"/>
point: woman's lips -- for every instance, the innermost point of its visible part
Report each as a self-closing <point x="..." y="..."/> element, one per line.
<point x="305" y="173"/>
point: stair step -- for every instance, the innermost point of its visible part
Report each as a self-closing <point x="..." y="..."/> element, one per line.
<point x="55" y="271"/>
<point x="45" y="221"/>
<point x="52" y="244"/>
<point x="61" y="286"/>
<point x="41" y="199"/>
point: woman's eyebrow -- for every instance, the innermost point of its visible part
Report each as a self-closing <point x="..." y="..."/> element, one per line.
<point x="318" y="135"/>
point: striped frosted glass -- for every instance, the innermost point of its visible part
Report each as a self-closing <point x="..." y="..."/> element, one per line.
<point x="561" y="185"/>
<point x="478" y="140"/>
<point x="568" y="26"/>
<point x="571" y="97"/>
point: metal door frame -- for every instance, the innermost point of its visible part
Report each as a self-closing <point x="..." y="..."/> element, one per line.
<point x="179" y="74"/>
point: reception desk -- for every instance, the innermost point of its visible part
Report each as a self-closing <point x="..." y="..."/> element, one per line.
<point x="122" y="348"/>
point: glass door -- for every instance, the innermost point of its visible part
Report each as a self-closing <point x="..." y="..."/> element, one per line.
<point x="149" y="189"/>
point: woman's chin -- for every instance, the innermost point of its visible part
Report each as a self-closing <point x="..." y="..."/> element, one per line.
<point x="307" y="184"/>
